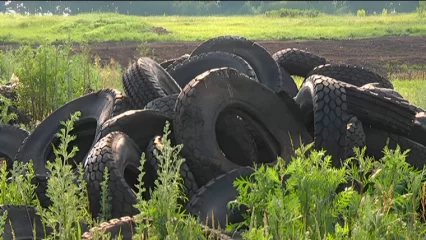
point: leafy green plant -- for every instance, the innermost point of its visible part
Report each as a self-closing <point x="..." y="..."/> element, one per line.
<point x="5" y="115"/>
<point x="66" y="189"/>
<point x="308" y="198"/>
<point x="384" y="12"/>
<point x="166" y="218"/>
<point x="421" y="9"/>
<point x="360" y="13"/>
<point x="105" y="202"/>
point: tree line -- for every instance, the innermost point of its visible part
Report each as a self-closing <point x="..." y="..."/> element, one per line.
<point x="203" y="7"/>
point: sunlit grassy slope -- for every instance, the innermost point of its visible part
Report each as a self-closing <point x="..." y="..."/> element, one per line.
<point x="100" y="27"/>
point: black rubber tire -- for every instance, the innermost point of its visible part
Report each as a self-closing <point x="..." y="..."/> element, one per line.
<point x="197" y="112"/>
<point x="384" y="92"/>
<point x="213" y="197"/>
<point x="121" y="156"/>
<point x="165" y="105"/>
<point x="379" y="111"/>
<point x="23" y="219"/>
<point x="125" y="227"/>
<point x="351" y="74"/>
<point x="369" y="107"/>
<point x="376" y="140"/>
<point x="298" y="62"/>
<point x="187" y="70"/>
<point x="355" y="136"/>
<point x="165" y="64"/>
<point x="418" y="134"/>
<point x="145" y="80"/>
<point x="150" y="123"/>
<point x="330" y="117"/>
<point x="11" y="138"/>
<point x="234" y="139"/>
<point x="96" y="108"/>
<point x="267" y="70"/>
<point x="190" y="186"/>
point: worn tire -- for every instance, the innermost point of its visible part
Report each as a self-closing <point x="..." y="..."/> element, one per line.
<point x="234" y="139"/>
<point x="165" y="105"/>
<point x="371" y="108"/>
<point x="95" y="108"/>
<point x="165" y="64"/>
<point x="330" y="117"/>
<point x="22" y="218"/>
<point x="384" y="92"/>
<point x="355" y="136"/>
<point x="351" y="74"/>
<point x="379" y="111"/>
<point x="376" y="140"/>
<point x="121" y="156"/>
<point x="190" y="186"/>
<point x="212" y="199"/>
<point x="197" y="113"/>
<point x="187" y="70"/>
<point x="11" y="138"/>
<point x="145" y="80"/>
<point x="418" y="134"/>
<point x="149" y="122"/>
<point x="298" y="62"/>
<point x="265" y="67"/>
<point x="125" y="227"/>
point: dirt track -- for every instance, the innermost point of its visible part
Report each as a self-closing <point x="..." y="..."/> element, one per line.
<point x="373" y="53"/>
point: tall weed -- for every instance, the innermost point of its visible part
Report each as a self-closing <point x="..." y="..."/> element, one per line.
<point x="306" y="199"/>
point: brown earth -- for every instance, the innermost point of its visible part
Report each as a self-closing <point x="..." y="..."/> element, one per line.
<point x="373" y="53"/>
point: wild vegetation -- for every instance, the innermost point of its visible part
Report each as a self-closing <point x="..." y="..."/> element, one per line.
<point x="302" y="197"/>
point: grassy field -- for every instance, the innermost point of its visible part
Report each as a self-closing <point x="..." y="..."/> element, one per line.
<point x="98" y="27"/>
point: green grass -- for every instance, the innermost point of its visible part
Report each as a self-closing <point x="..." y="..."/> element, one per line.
<point x="98" y="27"/>
<point x="413" y="90"/>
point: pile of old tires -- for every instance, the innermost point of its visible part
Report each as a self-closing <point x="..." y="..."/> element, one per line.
<point x="231" y="104"/>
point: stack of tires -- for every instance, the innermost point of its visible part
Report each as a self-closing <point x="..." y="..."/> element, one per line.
<point x="231" y="104"/>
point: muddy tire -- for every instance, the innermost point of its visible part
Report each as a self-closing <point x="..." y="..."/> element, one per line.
<point x="95" y="108"/>
<point x="165" y="105"/>
<point x="124" y="227"/>
<point x="165" y="64"/>
<point x="11" y="138"/>
<point x="265" y="67"/>
<point x="376" y="140"/>
<point x="355" y="136"/>
<point x="145" y="80"/>
<point x="197" y="113"/>
<point x="187" y="70"/>
<point x="351" y="74"/>
<point x="20" y="222"/>
<point x="190" y="186"/>
<point x="121" y="156"/>
<point x="298" y="62"/>
<point x="212" y="199"/>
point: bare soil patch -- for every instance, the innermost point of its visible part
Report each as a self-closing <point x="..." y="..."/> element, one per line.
<point x="373" y="53"/>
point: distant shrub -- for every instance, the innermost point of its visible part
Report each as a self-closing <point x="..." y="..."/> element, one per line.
<point x="287" y="12"/>
<point x="421" y="10"/>
<point x="360" y="13"/>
